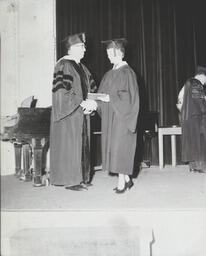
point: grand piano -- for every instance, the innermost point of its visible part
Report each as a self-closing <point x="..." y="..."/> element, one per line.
<point x="29" y="130"/>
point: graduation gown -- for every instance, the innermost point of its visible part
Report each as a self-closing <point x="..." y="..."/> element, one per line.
<point x="193" y="121"/>
<point x="69" y="132"/>
<point x="119" y="120"/>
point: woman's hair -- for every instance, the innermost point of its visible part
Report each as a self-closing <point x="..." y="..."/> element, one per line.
<point x="118" y="43"/>
<point x="118" y="46"/>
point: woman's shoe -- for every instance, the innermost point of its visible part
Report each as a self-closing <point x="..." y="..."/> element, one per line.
<point x="86" y="184"/>
<point x="121" y="191"/>
<point x="202" y="171"/>
<point x="194" y="170"/>
<point x="129" y="184"/>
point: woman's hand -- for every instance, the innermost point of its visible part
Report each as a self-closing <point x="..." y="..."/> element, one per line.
<point x="105" y="98"/>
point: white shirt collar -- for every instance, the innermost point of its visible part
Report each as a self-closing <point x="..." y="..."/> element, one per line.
<point x="119" y="65"/>
<point x="68" y="57"/>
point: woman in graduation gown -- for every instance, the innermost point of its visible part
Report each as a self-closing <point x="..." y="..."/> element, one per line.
<point x="119" y="110"/>
<point x="69" y="132"/>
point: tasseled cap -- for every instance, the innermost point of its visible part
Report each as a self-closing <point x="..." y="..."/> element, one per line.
<point x="201" y="70"/>
<point x="117" y="43"/>
<point x="74" y="39"/>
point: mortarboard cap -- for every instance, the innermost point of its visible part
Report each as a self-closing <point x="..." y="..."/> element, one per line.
<point x="74" y="39"/>
<point x="200" y="70"/>
<point x="117" y="43"/>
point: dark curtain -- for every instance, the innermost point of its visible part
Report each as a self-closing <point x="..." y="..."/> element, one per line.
<point x="166" y="39"/>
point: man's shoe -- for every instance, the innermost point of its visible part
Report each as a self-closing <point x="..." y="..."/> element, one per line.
<point x="77" y="188"/>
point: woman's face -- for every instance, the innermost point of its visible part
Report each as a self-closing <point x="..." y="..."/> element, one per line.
<point x="114" y="55"/>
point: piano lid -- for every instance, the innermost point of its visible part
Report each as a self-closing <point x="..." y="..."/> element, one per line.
<point x="29" y="102"/>
<point x="9" y="121"/>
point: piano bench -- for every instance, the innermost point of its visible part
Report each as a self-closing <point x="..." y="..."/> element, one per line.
<point x="171" y="131"/>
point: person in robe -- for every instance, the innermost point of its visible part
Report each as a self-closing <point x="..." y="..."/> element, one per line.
<point x="70" y="121"/>
<point x="119" y="109"/>
<point x="192" y="107"/>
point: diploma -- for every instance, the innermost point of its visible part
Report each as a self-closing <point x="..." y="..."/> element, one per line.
<point x="95" y="96"/>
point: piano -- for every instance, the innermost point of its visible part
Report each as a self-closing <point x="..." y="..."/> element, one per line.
<point x="29" y="131"/>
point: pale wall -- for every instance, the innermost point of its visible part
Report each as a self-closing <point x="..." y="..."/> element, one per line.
<point x="176" y="232"/>
<point x="27" y="56"/>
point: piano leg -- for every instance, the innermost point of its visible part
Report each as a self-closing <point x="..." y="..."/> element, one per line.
<point x="25" y="174"/>
<point x="26" y="162"/>
<point x="18" y="154"/>
<point x="38" y="151"/>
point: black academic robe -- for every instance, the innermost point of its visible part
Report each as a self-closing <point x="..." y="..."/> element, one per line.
<point x="119" y="120"/>
<point x="193" y="121"/>
<point x="69" y="132"/>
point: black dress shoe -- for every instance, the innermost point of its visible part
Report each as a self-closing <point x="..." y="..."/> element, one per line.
<point x="77" y="188"/>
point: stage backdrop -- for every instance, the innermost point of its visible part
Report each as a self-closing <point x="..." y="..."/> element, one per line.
<point x="166" y="40"/>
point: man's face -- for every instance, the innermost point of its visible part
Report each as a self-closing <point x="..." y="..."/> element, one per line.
<point x="114" y="55"/>
<point x="78" y="50"/>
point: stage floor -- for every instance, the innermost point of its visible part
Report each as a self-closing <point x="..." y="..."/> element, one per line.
<point x="169" y="188"/>
<point x="168" y="207"/>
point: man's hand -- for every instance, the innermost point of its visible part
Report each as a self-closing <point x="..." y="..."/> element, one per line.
<point x="88" y="106"/>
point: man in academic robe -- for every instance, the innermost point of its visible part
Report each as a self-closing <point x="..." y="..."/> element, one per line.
<point x="70" y="127"/>
<point x="192" y="106"/>
<point x="119" y="110"/>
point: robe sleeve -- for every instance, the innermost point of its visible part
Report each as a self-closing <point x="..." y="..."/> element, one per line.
<point x="66" y="98"/>
<point x="199" y="99"/>
<point x="125" y="99"/>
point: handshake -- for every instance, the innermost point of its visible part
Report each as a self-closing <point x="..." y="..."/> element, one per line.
<point x="89" y="105"/>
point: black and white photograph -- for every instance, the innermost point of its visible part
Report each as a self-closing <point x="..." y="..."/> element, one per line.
<point x="103" y="127"/>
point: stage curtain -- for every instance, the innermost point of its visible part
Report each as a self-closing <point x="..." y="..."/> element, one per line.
<point x="165" y="42"/>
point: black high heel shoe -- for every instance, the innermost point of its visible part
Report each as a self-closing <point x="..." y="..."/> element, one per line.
<point x="129" y="184"/>
<point x="120" y="191"/>
<point x="194" y="170"/>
